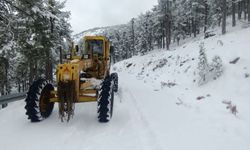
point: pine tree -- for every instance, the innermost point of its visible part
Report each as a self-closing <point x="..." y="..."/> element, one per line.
<point x="132" y="37"/>
<point x="216" y="67"/>
<point x="40" y="28"/>
<point x="203" y="66"/>
<point x="142" y="30"/>
<point x="7" y="45"/>
<point x="165" y="7"/>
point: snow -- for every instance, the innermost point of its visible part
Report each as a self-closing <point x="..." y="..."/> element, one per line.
<point x="7" y="47"/>
<point x="153" y="110"/>
<point x="90" y="32"/>
<point x="180" y="117"/>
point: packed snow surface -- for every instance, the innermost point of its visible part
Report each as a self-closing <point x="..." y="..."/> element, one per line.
<point x="159" y="106"/>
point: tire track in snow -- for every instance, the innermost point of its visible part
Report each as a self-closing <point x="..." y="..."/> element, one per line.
<point x="151" y="136"/>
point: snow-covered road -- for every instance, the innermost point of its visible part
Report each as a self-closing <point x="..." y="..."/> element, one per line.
<point x="128" y="129"/>
<point x="144" y="118"/>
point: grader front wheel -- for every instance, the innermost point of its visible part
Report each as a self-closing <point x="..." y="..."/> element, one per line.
<point x="105" y="101"/>
<point x="37" y="105"/>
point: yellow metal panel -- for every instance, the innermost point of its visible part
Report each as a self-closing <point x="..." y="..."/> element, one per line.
<point x="95" y="38"/>
<point x="86" y="85"/>
<point x="88" y="92"/>
<point x="53" y="92"/>
<point x="87" y="99"/>
<point x="82" y="99"/>
<point x="87" y="63"/>
<point x="54" y="99"/>
<point x="70" y="72"/>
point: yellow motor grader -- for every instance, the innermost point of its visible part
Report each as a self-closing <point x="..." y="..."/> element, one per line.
<point x="83" y="77"/>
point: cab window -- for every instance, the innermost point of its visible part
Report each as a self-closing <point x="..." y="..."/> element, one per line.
<point x="94" y="46"/>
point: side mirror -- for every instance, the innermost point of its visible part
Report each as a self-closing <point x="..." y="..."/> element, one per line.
<point x="112" y="49"/>
<point x="77" y="48"/>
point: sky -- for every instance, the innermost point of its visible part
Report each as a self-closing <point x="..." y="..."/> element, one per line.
<point x="87" y="14"/>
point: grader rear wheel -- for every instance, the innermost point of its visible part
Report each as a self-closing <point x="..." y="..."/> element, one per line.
<point x="37" y="105"/>
<point x="114" y="77"/>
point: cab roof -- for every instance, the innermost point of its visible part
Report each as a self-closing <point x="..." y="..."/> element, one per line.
<point x="95" y="38"/>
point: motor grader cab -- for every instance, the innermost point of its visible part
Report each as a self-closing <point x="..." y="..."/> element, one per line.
<point x="84" y="77"/>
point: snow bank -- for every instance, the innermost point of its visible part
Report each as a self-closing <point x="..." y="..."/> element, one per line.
<point x="201" y="119"/>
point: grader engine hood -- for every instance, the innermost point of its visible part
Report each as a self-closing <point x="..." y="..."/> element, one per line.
<point x="70" y="71"/>
<point x="67" y="72"/>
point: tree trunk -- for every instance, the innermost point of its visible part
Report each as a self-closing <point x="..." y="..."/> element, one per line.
<point x="160" y="43"/>
<point x="133" y="36"/>
<point x="189" y="27"/>
<point x="206" y="17"/>
<point x="49" y="69"/>
<point x="31" y="73"/>
<point x="23" y="87"/>
<point x="168" y="34"/>
<point x="61" y="55"/>
<point x="7" y="86"/>
<point x="219" y="22"/>
<point x="233" y="13"/>
<point x="194" y="27"/>
<point x="4" y="65"/>
<point x="248" y="11"/>
<point x="2" y="88"/>
<point x="224" y="15"/>
<point x="239" y="9"/>
<point x="163" y="35"/>
<point x="35" y="69"/>
<point x="167" y="24"/>
<point x="245" y="9"/>
<point x="19" y="87"/>
<point x="163" y="41"/>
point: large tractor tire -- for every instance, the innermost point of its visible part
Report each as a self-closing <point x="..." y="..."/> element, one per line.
<point x="114" y="77"/>
<point x="37" y="105"/>
<point x="105" y="100"/>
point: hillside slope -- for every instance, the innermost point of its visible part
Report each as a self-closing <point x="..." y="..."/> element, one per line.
<point x="187" y="115"/>
<point x="156" y="107"/>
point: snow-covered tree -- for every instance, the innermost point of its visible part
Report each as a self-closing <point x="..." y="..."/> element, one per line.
<point x="216" y="67"/>
<point x="203" y="66"/>
<point x="208" y="71"/>
<point x="144" y="32"/>
<point x="41" y="33"/>
<point x="7" y="45"/>
<point x="168" y="22"/>
<point x="31" y="33"/>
